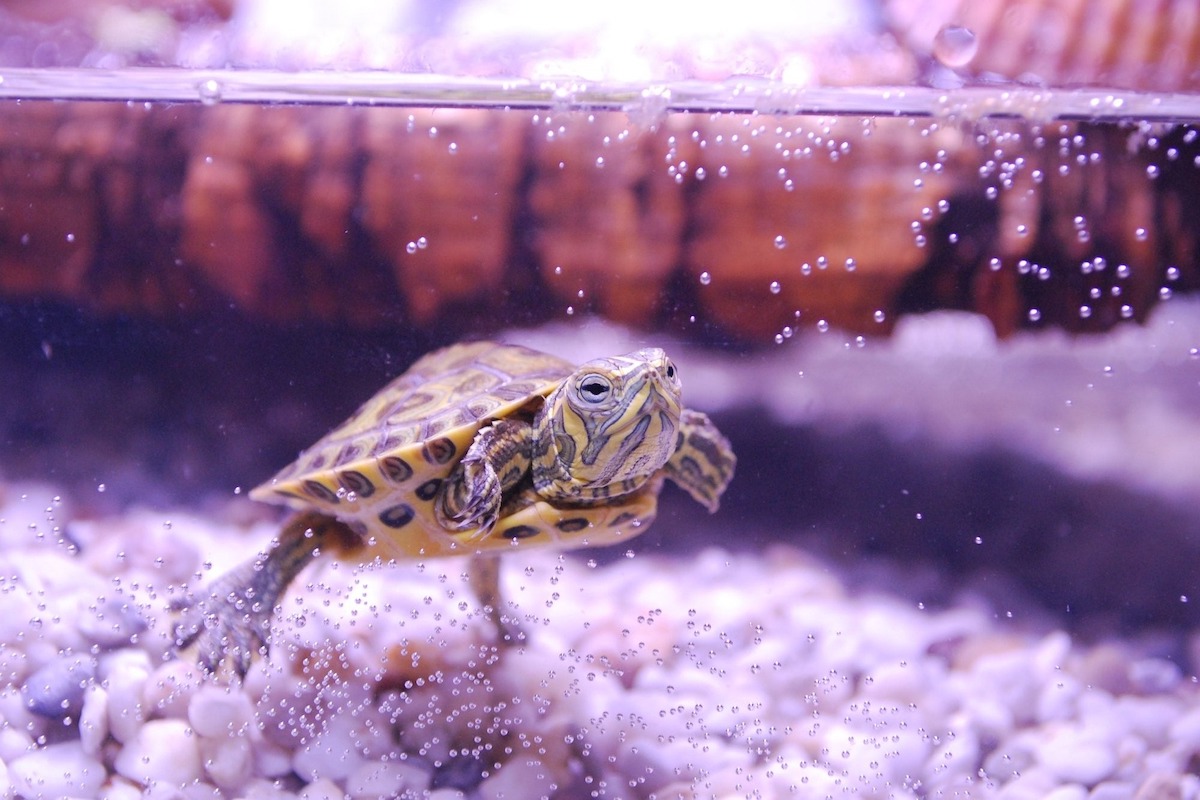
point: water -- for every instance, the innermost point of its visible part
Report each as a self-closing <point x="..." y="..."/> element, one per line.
<point x="950" y="334"/>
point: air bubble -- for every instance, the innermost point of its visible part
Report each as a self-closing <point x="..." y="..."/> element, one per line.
<point x="822" y="326"/>
<point x="851" y="265"/>
<point x="775" y="287"/>
<point x="1140" y="234"/>
<point x="1126" y="311"/>
<point x="1165" y="293"/>
<point x="1085" y="312"/>
<point x="780" y="242"/>
<point x="1034" y="315"/>
<point x="705" y="279"/>
<point x="879" y="316"/>
<point x="210" y="91"/>
<point x="1152" y="171"/>
<point x="410" y="248"/>
<point x="955" y="46"/>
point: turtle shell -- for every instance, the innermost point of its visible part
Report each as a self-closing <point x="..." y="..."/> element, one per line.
<point x="381" y="469"/>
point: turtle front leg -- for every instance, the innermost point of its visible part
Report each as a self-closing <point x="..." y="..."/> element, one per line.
<point x="703" y="463"/>
<point x="230" y="622"/>
<point x="473" y="492"/>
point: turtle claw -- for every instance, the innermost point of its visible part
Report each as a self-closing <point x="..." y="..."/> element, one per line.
<point x="227" y="629"/>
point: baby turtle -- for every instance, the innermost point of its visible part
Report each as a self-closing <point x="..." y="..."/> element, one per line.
<point x="478" y="448"/>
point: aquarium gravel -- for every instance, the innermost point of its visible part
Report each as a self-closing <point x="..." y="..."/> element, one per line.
<point x="708" y="675"/>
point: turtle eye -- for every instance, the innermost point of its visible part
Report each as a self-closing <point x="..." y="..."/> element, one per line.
<point x="671" y="373"/>
<point x="595" y="388"/>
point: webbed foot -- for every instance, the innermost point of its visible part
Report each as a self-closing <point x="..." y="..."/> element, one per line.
<point x="229" y="623"/>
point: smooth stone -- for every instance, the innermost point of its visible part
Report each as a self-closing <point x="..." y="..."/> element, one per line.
<point x="445" y="793"/>
<point x="114" y="623"/>
<point x="14" y="743"/>
<point x="1161" y="786"/>
<point x="127" y="671"/>
<point x="1113" y="790"/>
<point x="219" y="711"/>
<point x="259" y="789"/>
<point x="322" y="789"/>
<point x="168" y="691"/>
<point x="6" y="789"/>
<point x="385" y="779"/>
<point x="228" y="762"/>
<point x="1076" y="757"/>
<point x="1070" y="791"/>
<point x="56" y="690"/>
<point x="57" y="770"/>
<point x="93" y="720"/>
<point x="518" y="779"/>
<point x="163" y="751"/>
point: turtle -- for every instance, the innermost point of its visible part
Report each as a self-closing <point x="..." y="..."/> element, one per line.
<point x="478" y="449"/>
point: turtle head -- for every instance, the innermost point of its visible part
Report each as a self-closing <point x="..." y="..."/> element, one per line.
<point x="608" y="427"/>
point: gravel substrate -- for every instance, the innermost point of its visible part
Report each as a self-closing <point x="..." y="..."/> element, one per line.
<point x="709" y="675"/>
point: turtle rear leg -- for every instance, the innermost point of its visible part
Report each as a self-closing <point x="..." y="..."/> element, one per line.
<point x="703" y="463"/>
<point x="483" y="576"/>
<point x="473" y="492"/>
<point x="229" y="623"/>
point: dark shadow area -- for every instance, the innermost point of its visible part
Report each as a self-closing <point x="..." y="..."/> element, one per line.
<point x="1103" y="556"/>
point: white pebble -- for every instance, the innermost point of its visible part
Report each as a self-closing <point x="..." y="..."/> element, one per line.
<point x="164" y="750"/>
<point x="169" y="689"/>
<point x="127" y="671"/>
<point x="382" y="779"/>
<point x="228" y="762"/>
<point x="1070" y="791"/>
<point x="1185" y="731"/>
<point x="57" y="770"/>
<point x="6" y="789"/>
<point x="322" y="789"/>
<point x="1114" y="790"/>
<point x="1075" y="756"/>
<point x="219" y="711"/>
<point x="518" y="779"/>
<point x="325" y="757"/>
<point x="93" y="720"/>
<point x="272" y="760"/>
<point x="445" y="794"/>
<point x="14" y="743"/>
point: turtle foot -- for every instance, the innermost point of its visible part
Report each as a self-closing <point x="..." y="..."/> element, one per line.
<point x="226" y="626"/>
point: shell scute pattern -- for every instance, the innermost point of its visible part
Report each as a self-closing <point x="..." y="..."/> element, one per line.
<point x="380" y="471"/>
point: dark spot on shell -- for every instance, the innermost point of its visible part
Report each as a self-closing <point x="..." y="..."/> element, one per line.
<point x="429" y="489"/>
<point x="622" y="518"/>
<point x="396" y="469"/>
<point x="439" y="451"/>
<point x="397" y="516"/>
<point x="319" y="491"/>
<point x="356" y="482"/>
<point x="571" y="525"/>
<point x="521" y="532"/>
